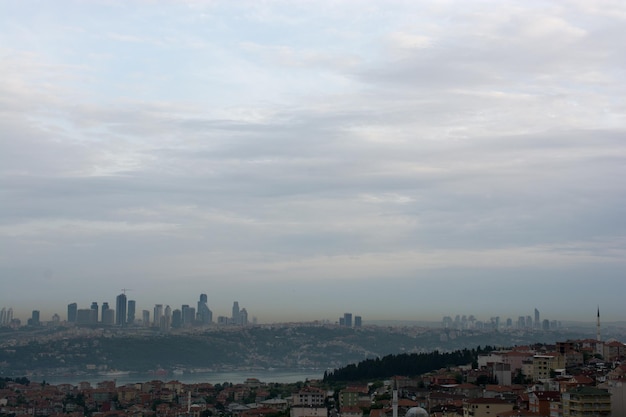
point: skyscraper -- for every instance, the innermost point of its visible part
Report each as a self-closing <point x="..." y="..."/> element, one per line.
<point x="347" y="319"/>
<point x="103" y="311"/>
<point x="108" y="316"/>
<point x="166" y="323"/>
<point x="71" y="312"/>
<point x="205" y="316"/>
<point x="120" y="308"/>
<point x="34" y="319"/>
<point x="189" y="314"/>
<point x="145" y="318"/>
<point x="235" y="316"/>
<point x="94" y="314"/>
<point x="537" y="320"/>
<point x="131" y="312"/>
<point x="158" y="313"/>
<point x="357" y="321"/>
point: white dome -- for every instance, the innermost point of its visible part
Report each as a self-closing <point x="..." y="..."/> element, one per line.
<point x="416" y="412"/>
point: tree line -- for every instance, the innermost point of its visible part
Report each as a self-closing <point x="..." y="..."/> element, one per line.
<point x="405" y="364"/>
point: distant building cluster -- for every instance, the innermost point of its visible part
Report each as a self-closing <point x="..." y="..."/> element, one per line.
<point x="346" y="320"/>
<point x="467" y="322"/>
<point x="6" y="318"/>
<point x="162" y="316"/>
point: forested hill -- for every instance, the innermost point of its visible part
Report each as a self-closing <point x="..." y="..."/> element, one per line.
<point x="404" y="364"/>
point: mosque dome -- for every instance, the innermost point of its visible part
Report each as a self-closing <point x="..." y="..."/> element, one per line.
<point x="416" y="412"/>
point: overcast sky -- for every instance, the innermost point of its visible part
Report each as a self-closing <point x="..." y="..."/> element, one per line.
<point x="394" y="159"/>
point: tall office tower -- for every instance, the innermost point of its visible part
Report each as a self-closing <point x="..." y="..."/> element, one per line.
<point x="9" y="315"/>
<point x="243" y="317"/>
<point x="167" y="318"/>
<point x="537" y="320"/>
<point x="342" y="321"/>
<point x="130" y="318"/>
<point x="108" y="316"/>
<point x="34" y="318"/>
<point x="347" y="319"/>
<point x="158" y="313"/>
<point x="177" y="319"/>
<point x="357" y="321"/>
<point x="205" y="316"/>
<point x="94" y="314"/>
<point x="234" y="318"/>
<point x="3" y="316"/>
<point x="145" y="317"/>
<point x="71" y="312"/>
<point x="103" y="310"/>
<point x="121" y="309"/>
<point x="529" y="322"/>
<point x="509" y="322"/>
<point x="189" y="315"/>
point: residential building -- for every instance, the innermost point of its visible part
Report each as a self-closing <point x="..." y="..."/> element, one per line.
<point x="309" y="402"/>
<point x="539" y="401"/>
<point x="485" y="407"/>
<point x="586" y="401"/>
<point x="544" y="364"/>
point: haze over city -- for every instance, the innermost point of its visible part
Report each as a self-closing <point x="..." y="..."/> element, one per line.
<point x="398" y="160"/>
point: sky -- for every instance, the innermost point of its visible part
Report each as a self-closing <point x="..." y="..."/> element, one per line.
<point x="397" y="160"/>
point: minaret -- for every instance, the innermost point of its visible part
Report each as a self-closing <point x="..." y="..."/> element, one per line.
<point x="598" y="326"/>
<point x="599" y="349"/>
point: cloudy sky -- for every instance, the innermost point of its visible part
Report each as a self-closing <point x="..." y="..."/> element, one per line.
<point x="396" y="159"/>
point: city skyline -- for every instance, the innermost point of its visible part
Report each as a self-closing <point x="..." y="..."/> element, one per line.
<point x="456" y="318"/>
<point x="395" y="159"/>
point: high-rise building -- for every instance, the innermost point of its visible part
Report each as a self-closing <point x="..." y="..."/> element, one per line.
<point x="177" y="319"/>
<point x="205" y="316"/>
<point x="357" y="321"/>
<point x="108" y="316"/>
<point x="71" y="312"/>
<point x="145" y="318"/>
<point x="167" y="319"/>
<point x="34" y="318"/>
<point x="537" y="319"/>
<point x="103" y="311"/>
<point x="347" y="319"/>
<point x="243" y="317"/>
<point x="235" y="316"/>
<point x="189" y="315"/>
<point x="121" y="309"/>
<point x="94" y="314"/>
<point x="130" y="318"/>
<point x="158" y="313"/>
